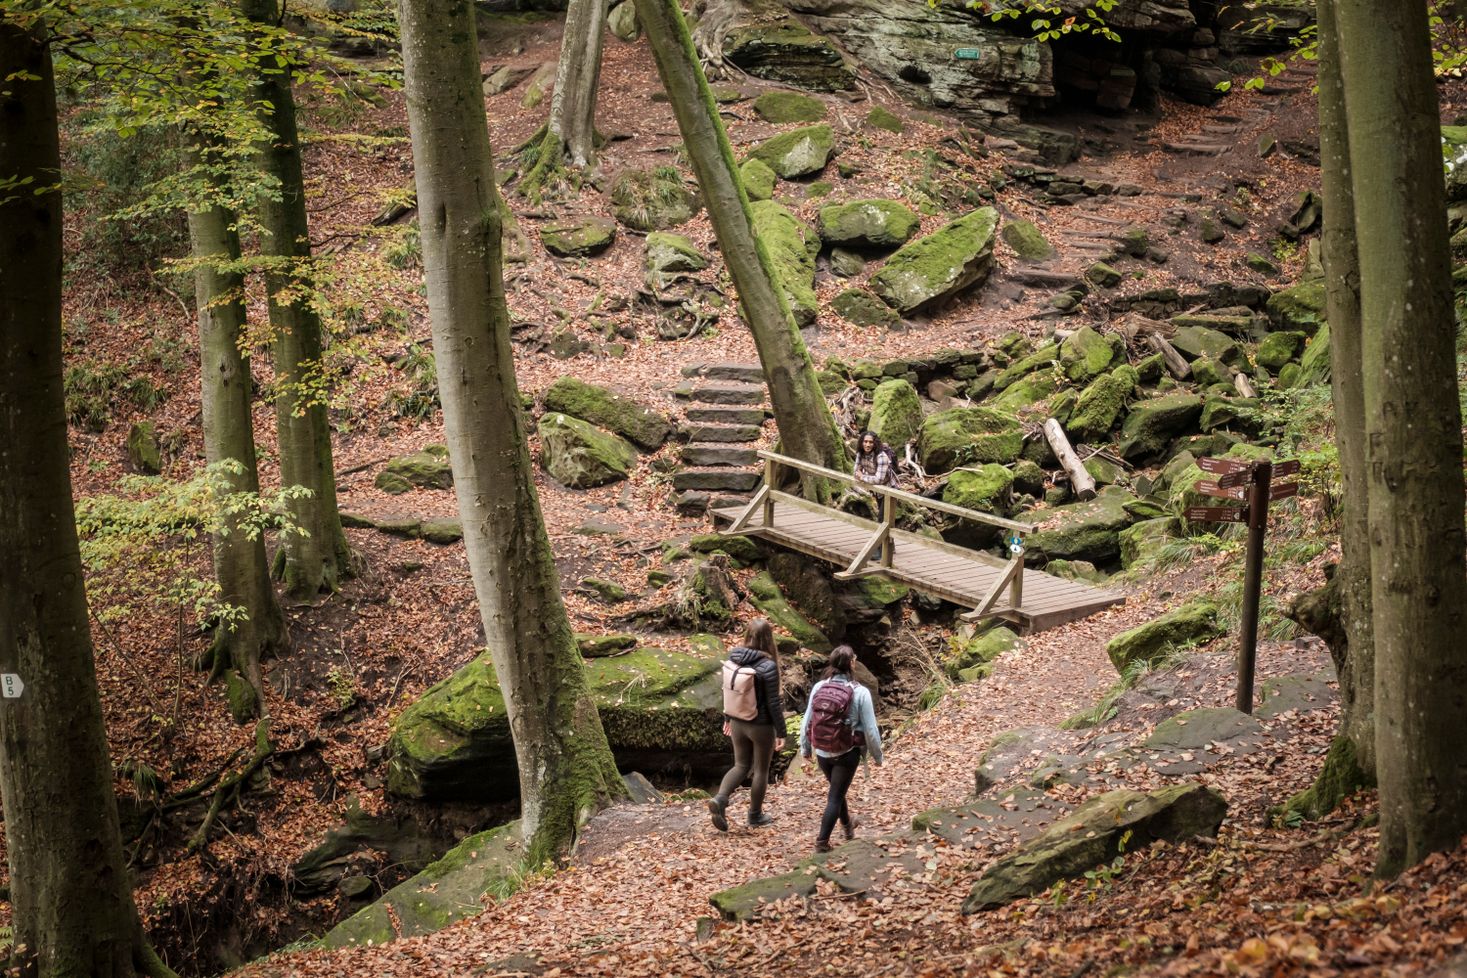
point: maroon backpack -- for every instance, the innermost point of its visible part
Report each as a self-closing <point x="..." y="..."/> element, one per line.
<point x="829" y="708"/>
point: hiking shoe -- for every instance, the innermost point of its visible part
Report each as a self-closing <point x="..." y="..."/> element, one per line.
<point x="716" y="808"/>
<point x="850" y="830"/>
<point x="759" y="819"/>
<point x="822" y="845"/>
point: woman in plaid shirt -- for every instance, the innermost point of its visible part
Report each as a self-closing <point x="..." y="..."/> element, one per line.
<point x="875" y="462"/>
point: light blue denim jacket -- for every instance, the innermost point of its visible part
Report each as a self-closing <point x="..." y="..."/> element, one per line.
<point x="862" y="717"/>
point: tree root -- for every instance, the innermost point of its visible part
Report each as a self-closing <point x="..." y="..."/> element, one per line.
<point x="232" y="786"/>
<point x="146" y="960"/>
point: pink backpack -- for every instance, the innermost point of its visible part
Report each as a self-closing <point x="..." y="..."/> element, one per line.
<point x="740" y="698"/>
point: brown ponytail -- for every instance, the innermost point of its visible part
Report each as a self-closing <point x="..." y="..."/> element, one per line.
<point x="842" y="660"/>
<point x="759" y="636"/>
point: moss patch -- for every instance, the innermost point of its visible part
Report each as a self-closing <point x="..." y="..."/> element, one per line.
<point x="792" y="246"/>
<point x="962" y="435"/>
<point x="607" y="409"/>
<point x="785" y="107"/>
<point x="939" y="265"/>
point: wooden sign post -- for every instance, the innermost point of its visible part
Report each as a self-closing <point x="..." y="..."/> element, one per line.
<point x="1251" y="483"/>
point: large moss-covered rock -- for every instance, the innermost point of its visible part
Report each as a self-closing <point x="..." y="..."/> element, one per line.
<point x="781" y="108"/>
<point x="979" y="650"/>
<point x="758" y="179"/>
<point x="1093" y="834"/>
<point x="792" y="246"/>
<point x="427" y="469"/>
<point x="1080" y="531"/>
<point x="623" y="21"/>
<point x="939" y="265"/>
<point x="1099" y="405"/>
<point x="670" y="255"/>
<point x="860" y="307"/>
<point x="868" y="223"/>
<point x="896" y="412"/>
<point x="1300" y="307"/>
<point x="607" y="409"/>
<point x="1198" y="342"/>
<point x="1280" y="348"/>
<point x="580" y="455"/>
<point x="1152" y="424"/>
<point x="798" y="153"/>
<point x="1314" y="365"/>
<point x="985" y="488"/>
<point x="780" y="48"/>
<point x="962" y="435"/>
<point x="653" y="200"/>
<point x="660" y="708"/>
<point x="1141" y="540"/>
<point x="1191" y="624"/>
<point x="1026" y="365"/>
<point x="1027" y="240"/>
<point x="144" y="452"/>
<point x="765" y="595"/>
<point x="448" y="890"/>
<point x="578" y="237"/>
<point x="1085" y="355"/>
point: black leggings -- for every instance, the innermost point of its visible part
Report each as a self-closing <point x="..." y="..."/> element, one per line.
<point x="840" y="772"/>
<point x="753" y="747"/>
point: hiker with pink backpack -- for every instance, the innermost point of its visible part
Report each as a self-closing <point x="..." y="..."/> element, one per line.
<point x="839" y="727"/>
<point x="753" y="720"/>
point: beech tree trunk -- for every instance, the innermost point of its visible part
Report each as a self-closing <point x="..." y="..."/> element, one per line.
<point x="570" y="134"/>
<point x="69" y="888"/>
<point x="239" y="562"/>
<point x="566" y="768"/>
<point x="806" y="428"/>
<point x="1413" y="430"/>
<point x="315" y="561"/>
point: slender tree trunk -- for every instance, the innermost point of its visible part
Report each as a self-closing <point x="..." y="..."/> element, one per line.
<point x="314" y="561"/>
<point x="1413" y="429"/>
<point x="806" y="427"/>
<point x="570" y="135"/>
<point x="239" y="562"/>
<point x="1350" y="763"/>
<point x="566" y="768"/>
<point x="73" y="911"/>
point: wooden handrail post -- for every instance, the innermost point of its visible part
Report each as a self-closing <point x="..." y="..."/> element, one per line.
<point x="888" y="521"/>
<point x="770" y="475"/>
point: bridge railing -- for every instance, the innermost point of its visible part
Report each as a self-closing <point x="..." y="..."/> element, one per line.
<point x="881" y="543"/>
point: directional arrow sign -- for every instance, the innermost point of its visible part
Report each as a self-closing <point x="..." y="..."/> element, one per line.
<point x="1239" y="478"/>
<point x="1222" y="489"/>
<point x="1283" y="470"/>
<point x="1222" y="466"/>
<point x="967" y="54"/>
<point x="1284" y="491"/>
<point x="11" y="686"/>
<point x="1214" y="514"/>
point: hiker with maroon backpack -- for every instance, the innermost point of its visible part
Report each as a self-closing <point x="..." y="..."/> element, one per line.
<point x="753" y="719"/>
<point x="839" y="727"/>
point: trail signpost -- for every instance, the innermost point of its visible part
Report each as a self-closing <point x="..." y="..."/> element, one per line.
<point x="1252" y="484"/>
<point x="967" y="54"/>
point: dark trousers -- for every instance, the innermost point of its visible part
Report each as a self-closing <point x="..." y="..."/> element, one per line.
<point x="840" y="772"/>
<point x="753" y="746"/>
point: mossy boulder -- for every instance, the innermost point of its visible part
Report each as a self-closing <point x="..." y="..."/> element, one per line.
<point x="605" y="408"/>
<point x="940" y="265"/>
<point x="1140" y="540"/>
<point x="781" y="108"/>
<point x="580" y="455"/>
<point x="623" y="21"/>
<point x="896" y="412"/>
<point x="144" y="453"/>
<point x="798" y="153"/>
<point x="1027" y="240"/>
<point x="962" y="435"/>
<point x="1085" y="355"/>
<point x="872" y="223"/>
<point x="985" y="488"/>
<point x="1025" y="396"/>
<point x="1280" y="348"/>
<point x="1103" y="275"/>
<point x="979" y="650"/>
<point x="660" y="709"/>
<point x="653" y="200"/>
<point x="578" y="237"/>
<point x="670" y="255"/>
<point x="1300" y="307"/>
<point x="1196" y="342"/>
<point x="883" y="118"/>
<point x="782" y="49"/>
<point x="861" y="308"/>
<point x="1191" y="624"/>
<point x="1099" y="405"/>
<point x="1089" y="530"/>
<point x="1029" y="477"/>
<point x="598" y="646"/>
<point x="1314" y="365"/>
<point x="427" y="469"/>
<point x="1152" y="424"/>
<point x="765" y="595"/>
<point x="744" y="549"/>
<point x="1094" y="834"/>
<point x="1026" y="365"/>
<point x="448" y="890"/>
<point x="792" y="246"/>
<point x="758" y="179"/>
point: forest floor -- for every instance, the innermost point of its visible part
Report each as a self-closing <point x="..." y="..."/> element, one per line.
<point x="1263" y="901"/>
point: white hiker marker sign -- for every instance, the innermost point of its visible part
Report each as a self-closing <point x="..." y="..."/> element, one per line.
<point x="11" y="686"/>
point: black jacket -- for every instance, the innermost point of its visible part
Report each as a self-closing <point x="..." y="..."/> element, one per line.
<point x="766" y="687"/>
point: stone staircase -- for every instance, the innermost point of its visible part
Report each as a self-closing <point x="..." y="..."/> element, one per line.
<point x="724" y="420"/>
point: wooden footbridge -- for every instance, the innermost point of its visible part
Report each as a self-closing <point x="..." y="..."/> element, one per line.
<point x="1030" y="599"/>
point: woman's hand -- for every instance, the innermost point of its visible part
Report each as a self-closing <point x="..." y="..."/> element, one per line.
<point x="726" y="731"/>
<point x="779" y="743"/>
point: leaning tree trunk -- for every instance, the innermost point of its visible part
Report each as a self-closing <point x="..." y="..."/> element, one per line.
<point x="806" y="428"/>
<point x="239" y="562"/>
<point x="566" y="768"/>
<point x="1350" y="763"/>
<point x="1413" y="428"/>
<point x="313" y="561"/>
<point x="70" y="892"/>
<point x="570" y="134"/>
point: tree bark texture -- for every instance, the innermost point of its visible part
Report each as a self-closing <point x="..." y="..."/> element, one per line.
<point x="315" y="561"/>
<point x="573" y="103"/>
<point x="1413" y="428"/>
<point x="806" y="428"/>
<point x="566" y="767"/>
<point x="239" y="562"/>
<point x="1356" y="667"/>
<point x="71" y="894"/>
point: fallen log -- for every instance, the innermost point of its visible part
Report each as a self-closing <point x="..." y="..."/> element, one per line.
<point x="1244" y="385"/>
<point x="1176" y="364"/>
<point x="1081" y="481"/>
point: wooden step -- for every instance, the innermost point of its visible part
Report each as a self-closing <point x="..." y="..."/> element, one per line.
<point x="724" y="433"/>
<point x="716" y="479"/>
<point x="728" y="393"/>
<point x="725" y="414"/>
<point x="704" y="454"/>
